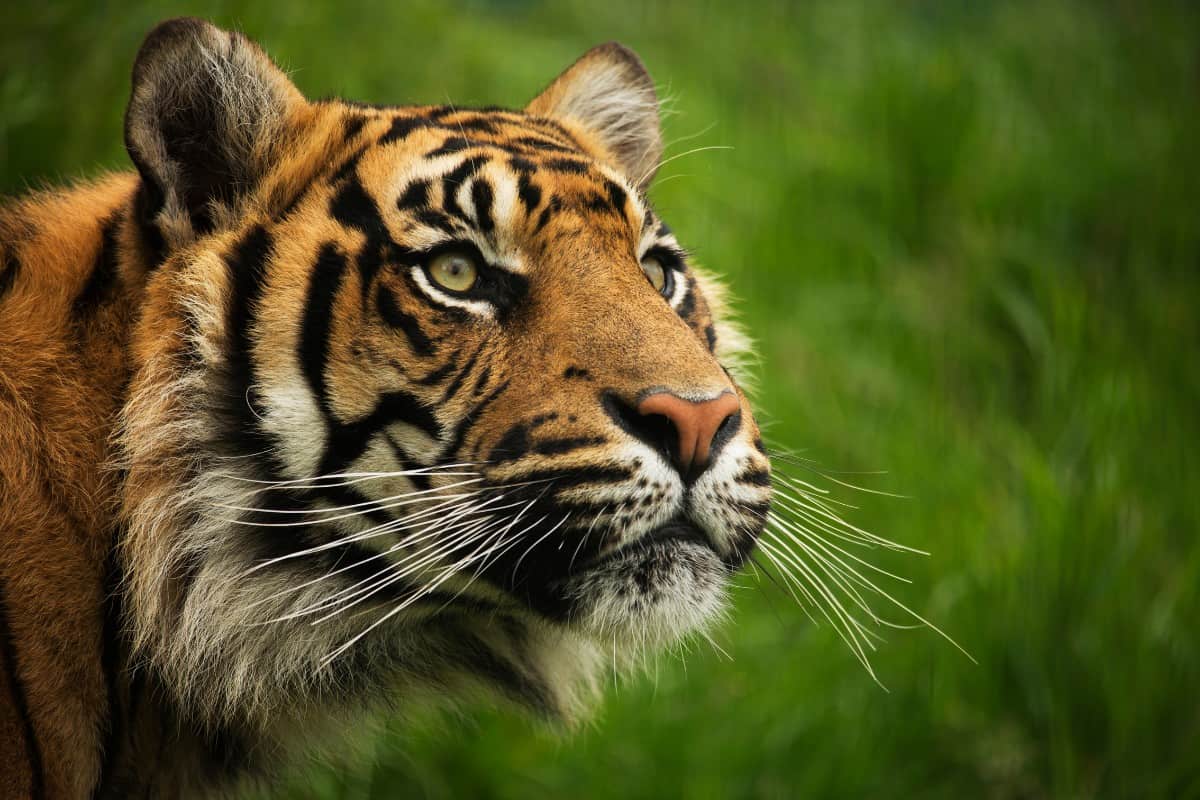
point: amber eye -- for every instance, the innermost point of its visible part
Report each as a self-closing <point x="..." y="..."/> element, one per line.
<point x="454" y="270"/>
<point x="657" y="274"/>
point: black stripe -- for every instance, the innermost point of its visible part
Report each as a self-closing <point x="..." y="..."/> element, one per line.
<point x="710" y="336"/>
<point x="478" y="124"/>
<point x="512" y="445"/>
<point x="616" y="196"/>
<point x="542" y="419"/>
<point x="572" y="166"/>
<point x="415" y="196"/>
<point x="348" y="554"/>
<point x="540" y="143"/>
<point x="8" y="650"/>
<point x="441" y="372"/>
<point x="327" y="276"/>
<point x="597" y="202"/>
<point x="553" y="129"/>
<point x="385" y="303"/>
<point x="481" y="196"/>
<point x="403" y="407"/>
<point x="354" y="208"/>
<point x="349" y="440"/>
<point x="467" y="422"/>
<point x="528" y="191"/>
<point x="521" y="165"/>
<point x="453" y="144"/>
<point x="688" y="304"/>
<point x="484" y="375"/>
<point x="247" y="265"/>
<point x="436" y="219"/>
<point x="552" y="208"/>
<point x="462" y="374"/>
<point x="554" y="447"/>
<point x="401" y="127"/>
<point x="352" y="124"/>
<point x="8" y="277"/>
<point x="480" y="659"/>
<point x="453" y="179"/>
<point x="569" y="477"/>
<point x="102" y="282"/>
<point x="757" y="476"/>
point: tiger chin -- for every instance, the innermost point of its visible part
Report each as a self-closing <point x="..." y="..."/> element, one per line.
<point x="329" y="408"/>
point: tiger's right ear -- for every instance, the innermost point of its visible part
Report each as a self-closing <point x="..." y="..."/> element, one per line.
<point x="207" y="110"/>
<point x="609" y="93"/>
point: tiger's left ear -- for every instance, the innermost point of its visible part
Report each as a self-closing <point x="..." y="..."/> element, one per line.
<point x="207" y="112"/>
<point x="611" y="96"/>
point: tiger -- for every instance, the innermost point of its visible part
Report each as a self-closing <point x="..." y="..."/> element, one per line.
<point x="326" y="409"/>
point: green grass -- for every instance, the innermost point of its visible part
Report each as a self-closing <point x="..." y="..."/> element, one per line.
<point x="967" y="237"/>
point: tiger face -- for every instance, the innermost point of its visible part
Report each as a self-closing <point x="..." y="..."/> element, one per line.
<point x="420" y="369"/>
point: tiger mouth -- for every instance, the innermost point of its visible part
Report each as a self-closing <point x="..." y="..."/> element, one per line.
<point x="677" y="530"/>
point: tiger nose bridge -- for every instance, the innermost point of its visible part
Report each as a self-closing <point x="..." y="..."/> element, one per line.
<point x="694" y="424"/>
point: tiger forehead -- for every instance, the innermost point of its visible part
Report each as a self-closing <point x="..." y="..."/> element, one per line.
<point x="489" y="174"/>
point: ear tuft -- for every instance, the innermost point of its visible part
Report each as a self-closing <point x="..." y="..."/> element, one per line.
<point x="206" y="110"/>
<point x="611" y="96"/>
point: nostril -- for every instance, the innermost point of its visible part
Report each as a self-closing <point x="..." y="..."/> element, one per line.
<point x="655" y="430"/>
<point x="659" y="431"/>
<point x="727" y="427"/>
<point x="725" y="431"/>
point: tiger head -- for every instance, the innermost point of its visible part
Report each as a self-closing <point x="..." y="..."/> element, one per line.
<point x="422" y="392"/>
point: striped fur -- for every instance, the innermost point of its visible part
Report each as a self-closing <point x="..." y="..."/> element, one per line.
<point x="265" y="475"/>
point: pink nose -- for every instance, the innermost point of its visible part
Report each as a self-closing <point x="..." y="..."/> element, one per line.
<point x="695" y="424"/>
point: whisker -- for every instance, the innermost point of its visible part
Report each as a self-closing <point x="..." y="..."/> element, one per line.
<point x="849" y="628"/>
<point x="381" y="504"/>
<point x="426" y="532"/>
<point x="669" y="159"/>
<point x="350" y="477"/>
<point x="377" y="530"/>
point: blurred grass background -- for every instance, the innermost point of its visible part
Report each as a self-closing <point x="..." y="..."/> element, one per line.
<point x="967" y="236"/>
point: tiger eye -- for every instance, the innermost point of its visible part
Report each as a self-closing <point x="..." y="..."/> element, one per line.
<point x="454" y="271"/>
<point x="655" y="272"/>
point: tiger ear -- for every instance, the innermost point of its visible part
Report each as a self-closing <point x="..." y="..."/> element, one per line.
<point x="206" y="110"/>
<point x="609" y="93"/>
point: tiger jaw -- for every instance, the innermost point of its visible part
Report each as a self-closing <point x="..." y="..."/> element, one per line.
<point x="651" y="565"/>
<point x="649" y="593"/>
